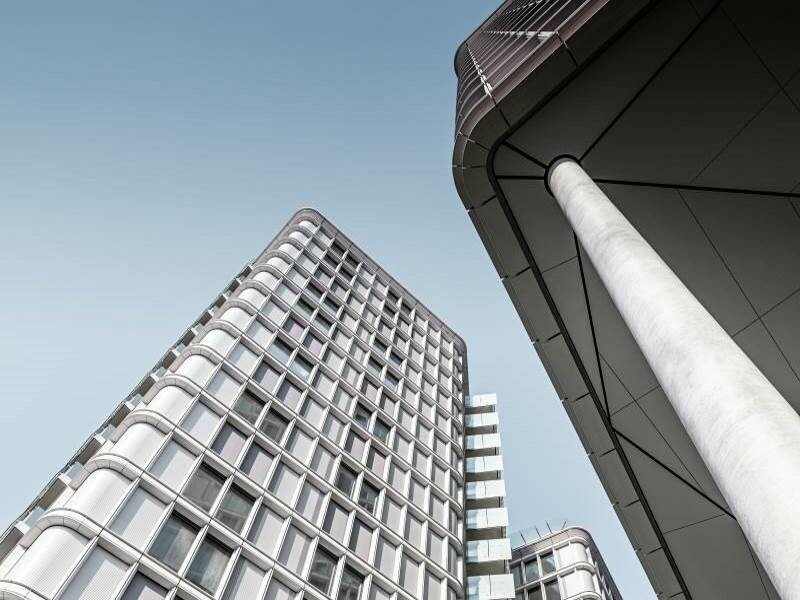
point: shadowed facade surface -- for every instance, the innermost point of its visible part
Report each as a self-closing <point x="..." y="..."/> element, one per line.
<point x="685" y="113"/>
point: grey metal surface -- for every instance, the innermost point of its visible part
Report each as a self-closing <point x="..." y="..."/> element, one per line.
<point x="686" y="113"/>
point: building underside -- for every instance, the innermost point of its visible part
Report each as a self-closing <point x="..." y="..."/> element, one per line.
<point x="687" y="114"/>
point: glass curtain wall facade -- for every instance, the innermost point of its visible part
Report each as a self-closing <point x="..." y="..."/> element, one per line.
<point x="488" y="548"/>
<point x="304" y="439"/>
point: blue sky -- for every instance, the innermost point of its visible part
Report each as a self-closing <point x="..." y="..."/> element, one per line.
<point x="150" y="149"/>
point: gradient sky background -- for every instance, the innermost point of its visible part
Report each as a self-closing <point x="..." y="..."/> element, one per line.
<point x="149" y="149"/>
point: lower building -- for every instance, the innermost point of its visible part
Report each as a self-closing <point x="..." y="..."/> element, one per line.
<point x="560" y="566"/>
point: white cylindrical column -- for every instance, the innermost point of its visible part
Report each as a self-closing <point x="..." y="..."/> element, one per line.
<point x="745" y="431"/>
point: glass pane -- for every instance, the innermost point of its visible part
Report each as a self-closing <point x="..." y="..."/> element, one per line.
<point x="548" y="563"/>
<point x="208" y="565"/>
<point x="256" y="463"/>
<point x="551" y="590"/>
<point x="228" y="443"/>
<point x="234" y="508"/>
<point x="274" y="426"/>
<point x="144" y="588"/>
<point x="266" y="530"/>
<point x="350" y="587"/>
<point x="368" y="497"/>
<point x="248" y="407"/>
<point x="245" y="581"/>
<point x="173" y="542"/>
<point x="531" y="570"/>
<point x="284" y="483"/>
<point x="322" y="569"/>
<point x="294" y="551"/>
<point x="203" y="487"/>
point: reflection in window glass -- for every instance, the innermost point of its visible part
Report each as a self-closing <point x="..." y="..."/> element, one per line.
<point x="234" y="508"/>
<point x="173" y="542"/>
<point x="322" y="569"/>
<point x="548" y="563"/>
<point x="204" y="487"/>
<point x="350" y="587"/>
<point x="208" y="565"/>
<point x="248" y="407"/>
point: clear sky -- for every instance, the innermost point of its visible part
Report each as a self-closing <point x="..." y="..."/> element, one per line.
<point x="149" y="149"/>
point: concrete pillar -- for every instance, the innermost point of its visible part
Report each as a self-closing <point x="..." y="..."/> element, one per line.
<point x="745" y="431"/>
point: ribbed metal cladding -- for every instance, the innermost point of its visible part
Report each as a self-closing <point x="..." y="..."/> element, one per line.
<point x="488" y="548"/>
<point x="500" y="45"/>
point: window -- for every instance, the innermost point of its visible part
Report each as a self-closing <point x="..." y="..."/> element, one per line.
<point x="173" y="542"/>
<point x="248" y="407"/>
<point x="266" y="530"/>
<point x="391" y="514"/>
<point x="138" y="517"/>
<point x="281" y="350"/>
<point x="435" y="546"/>
<point x="381" y="431"/>
<point x="299" y="445"/>
<point x="409" y="575"/>
<point x="368" y="497"/>
<point x="397" y="478"/>
<point x="98" y="577"/>
<point x="531" y="570"/>
<point x="333" y="428"/>
<point x="172" y="466"/>
<point x="144" y="588"/>
<point x="301" y="367"/>
<point x="535" y="593"/>
<point x="313" y="411"/>
<point x="209" y="565"/>
<point x="258" y="333"/>
<point x="376" y="461"/>
<point x="548" y="563"/>
<point x="551" y="590"/>
<point x="229" y="443"/>
<point x="322" y="463"/>
<point x="293" y="328"/>
<point x="256" y="463"/>
<point x="203" y="487"/>
<point x="234" y="508"/>
<point x="322" y="569"/>
<point x="385" y="557"/>
<point x="355" y="445"/>
<point x="350" y="587"/>
<point x="335" y="521"/>
<point x="346" y="480"/>
<point x="417" y="493"/>
<point x="266" y="376"/>
<point x="243" y="358"/>
<point x="284" y="483"/>
<point x="200" y="422"/>
<point x="324" y="384"/>
<point x="223" y="387"/>
<point x="516" y="572"/>
<point x="274" y="426"/>
<point x="414" y="531"/>
<point x="245" y="581"/>
<point x="313" y="344"/>
<point x="310" y="502"/>
<point x="362" y="416"/>
<point x="289" y="393"/>
<point x="294" y="551"/>
<point x="360" y="539"/>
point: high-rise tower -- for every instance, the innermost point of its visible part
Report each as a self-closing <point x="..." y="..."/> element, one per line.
<point x="304" y="438"/>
